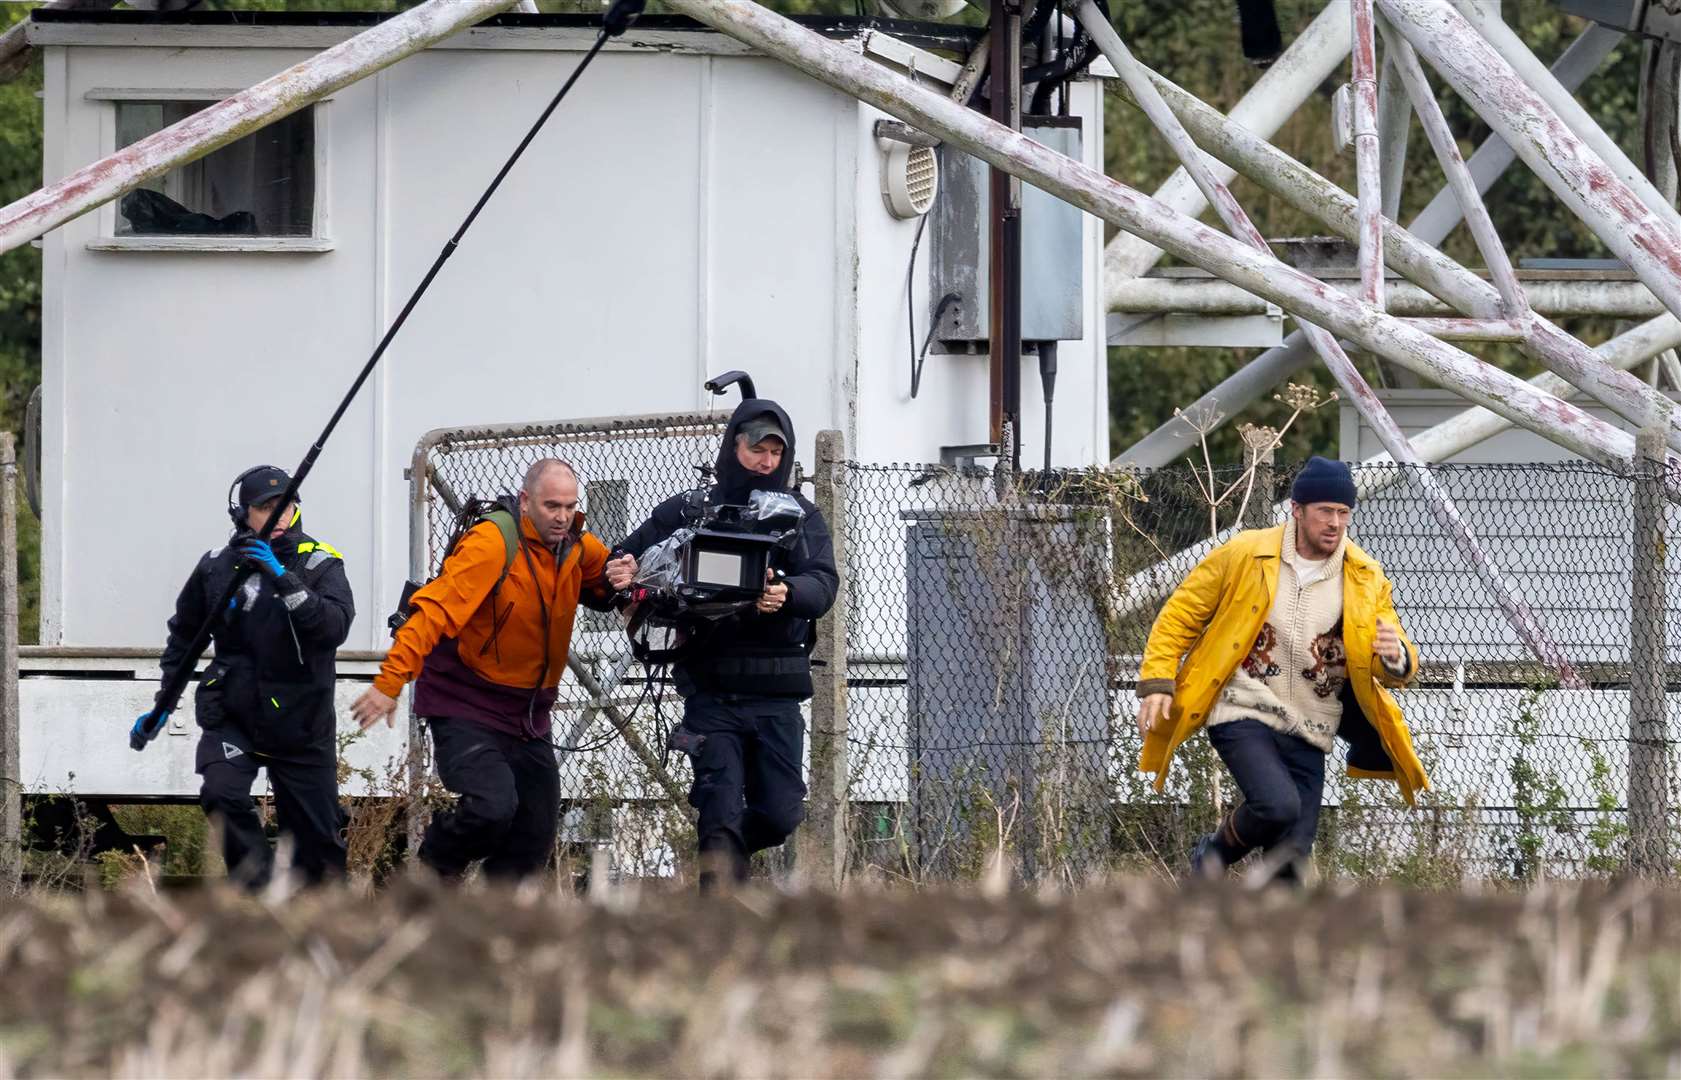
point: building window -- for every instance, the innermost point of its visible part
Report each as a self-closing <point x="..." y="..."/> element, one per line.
<point x="263" y="185"/>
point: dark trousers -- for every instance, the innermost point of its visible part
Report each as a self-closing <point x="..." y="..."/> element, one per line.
<point x="508" y="802"/>
<point x="306" y="806"/>
<point x="749" y="788"/>
<point x="1282" y="778"/>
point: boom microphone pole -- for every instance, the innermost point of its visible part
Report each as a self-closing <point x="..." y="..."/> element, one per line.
<point x="617" y="21"/>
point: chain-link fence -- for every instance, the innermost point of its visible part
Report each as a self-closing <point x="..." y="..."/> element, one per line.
<point x="995" y="637"/>
<point x="994" y="631"/>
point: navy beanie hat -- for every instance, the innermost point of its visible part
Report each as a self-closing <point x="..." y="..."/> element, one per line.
<point x="1324" y="481"/>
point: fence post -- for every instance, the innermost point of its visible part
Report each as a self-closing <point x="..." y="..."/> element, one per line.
<point x="11" y="718"/>
<point x="824" y="834"/>
<point x="1648" y="766"/>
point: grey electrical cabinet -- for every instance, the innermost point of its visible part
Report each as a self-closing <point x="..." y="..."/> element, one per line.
<point x="1052" y="269"/>
<point x="1007" y="689"/>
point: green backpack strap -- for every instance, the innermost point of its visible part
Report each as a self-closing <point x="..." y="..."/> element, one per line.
<point x="508" y="526"/>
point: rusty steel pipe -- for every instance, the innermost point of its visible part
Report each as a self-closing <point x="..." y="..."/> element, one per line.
<point x="249" y="110"/>
<point x="1368" y="163"/>
<point x="1004" y="247"/>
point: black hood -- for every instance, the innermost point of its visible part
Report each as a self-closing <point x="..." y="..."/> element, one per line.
<point x="736" y="483"/>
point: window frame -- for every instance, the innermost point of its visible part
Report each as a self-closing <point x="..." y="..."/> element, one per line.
<point x="320" y="238"/>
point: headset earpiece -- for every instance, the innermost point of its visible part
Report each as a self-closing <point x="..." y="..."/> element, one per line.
<point x="236" y="510"/>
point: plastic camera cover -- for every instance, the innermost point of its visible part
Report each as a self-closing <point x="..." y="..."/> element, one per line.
<point x="774" y="506"/>
<point x="661" y="566"/>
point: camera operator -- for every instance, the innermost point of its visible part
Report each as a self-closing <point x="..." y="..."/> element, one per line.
<point x="743" y="680"/>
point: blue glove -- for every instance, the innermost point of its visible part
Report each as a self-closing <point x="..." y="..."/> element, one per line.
<point x="139" y="735"/>
<point x="259" y="552"/>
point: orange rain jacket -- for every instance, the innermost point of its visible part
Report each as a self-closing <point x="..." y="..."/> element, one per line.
<point x="484" y="661"/>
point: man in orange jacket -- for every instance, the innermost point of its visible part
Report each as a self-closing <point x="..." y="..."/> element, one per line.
<point x="487" y="652"/>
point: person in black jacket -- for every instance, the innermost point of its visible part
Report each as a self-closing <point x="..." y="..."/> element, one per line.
<point x="743" y="681"/>
<point x="266" y="700"/>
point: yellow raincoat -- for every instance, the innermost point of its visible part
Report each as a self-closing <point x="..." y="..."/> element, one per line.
<point x="1215" y="616"/>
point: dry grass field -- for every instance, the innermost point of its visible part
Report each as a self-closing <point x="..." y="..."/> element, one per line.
<point x="1141" y="978"/>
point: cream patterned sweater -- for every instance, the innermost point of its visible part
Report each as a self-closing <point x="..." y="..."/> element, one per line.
<point x="1293" y="677"/>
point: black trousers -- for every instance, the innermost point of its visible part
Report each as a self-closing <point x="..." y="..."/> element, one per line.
<point x="1282" y="778"/>
<point x="306" y="805"/>
<point x="749" y="788"/>
<point x="508" y="806"/>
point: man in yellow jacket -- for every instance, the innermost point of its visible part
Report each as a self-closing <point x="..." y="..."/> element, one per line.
<point x="1278" y="642"/>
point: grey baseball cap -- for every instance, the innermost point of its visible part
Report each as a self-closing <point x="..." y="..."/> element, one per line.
<point x="762" y="427"/>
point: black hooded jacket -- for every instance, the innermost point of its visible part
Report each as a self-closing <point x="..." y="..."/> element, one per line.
<point x="754" y="654"/>
<point x="273" y="674"/>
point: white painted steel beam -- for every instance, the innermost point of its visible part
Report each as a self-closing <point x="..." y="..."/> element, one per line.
<point x="1394" y="124"/>
<point x="1368" y="165"/>
<point x="1509" y="330"/>
<point x="1446" y="148"/>
<point x="14" y="43"/>
<point x="1582" y="58"/>
<point x="1466" y="429"/>
<point x="1422" y="263"/>
<point x="226" y="121"/>
<point x="1548" y="297"/>
<point x="1490" y="30"/>
<point x="1145" y="590"/>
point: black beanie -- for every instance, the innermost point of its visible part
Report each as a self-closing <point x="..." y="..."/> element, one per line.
<point x="1323" y="481"/>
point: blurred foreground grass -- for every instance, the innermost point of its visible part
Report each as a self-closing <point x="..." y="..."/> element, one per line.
<point x="1141" y="978"/>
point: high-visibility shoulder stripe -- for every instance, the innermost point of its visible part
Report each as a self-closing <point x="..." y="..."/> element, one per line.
<point x="315" y="545"/>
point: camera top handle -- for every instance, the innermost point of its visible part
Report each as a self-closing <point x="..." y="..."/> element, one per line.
<point x="720" y="383"/>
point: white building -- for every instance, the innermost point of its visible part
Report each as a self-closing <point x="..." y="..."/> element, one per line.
<point x="689" y="209"/>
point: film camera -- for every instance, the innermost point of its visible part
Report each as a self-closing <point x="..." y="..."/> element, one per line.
<point x="708" y="570"/>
